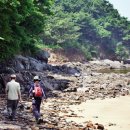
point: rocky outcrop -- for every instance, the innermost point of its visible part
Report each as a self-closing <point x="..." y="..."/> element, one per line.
<point x="26" y="68"/>
<point x="42" y="55"/>
<point x="66" y="84"/>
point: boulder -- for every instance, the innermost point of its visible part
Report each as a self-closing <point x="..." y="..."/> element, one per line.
<point x="113" y="64"/>
<point x="37" y="65"/>
<point x="7" y="70"/>
<point x="127" y="61"/>
<point x="43" y="56"/>
<point x="21" y="62"/>
<point x="19" y="66"/>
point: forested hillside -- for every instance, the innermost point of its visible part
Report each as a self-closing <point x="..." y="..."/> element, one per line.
<point x="21" y="24"/>
<point x="93" y="27"/>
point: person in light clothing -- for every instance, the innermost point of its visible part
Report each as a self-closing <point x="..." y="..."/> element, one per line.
<point x="13" y="96"/>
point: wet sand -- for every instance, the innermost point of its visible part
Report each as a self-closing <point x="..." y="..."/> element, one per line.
<point x="113" y="113"/>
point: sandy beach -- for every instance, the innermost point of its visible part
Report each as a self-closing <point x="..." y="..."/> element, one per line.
<point x="113" y="113"/>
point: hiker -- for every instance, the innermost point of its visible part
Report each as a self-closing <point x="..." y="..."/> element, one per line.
<point x="38" y="94"/>
<point x="13" y="96"/>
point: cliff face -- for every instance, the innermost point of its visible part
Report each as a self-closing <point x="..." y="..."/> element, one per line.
<point x="66" y="55"/>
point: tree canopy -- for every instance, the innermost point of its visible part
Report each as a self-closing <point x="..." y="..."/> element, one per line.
<point x="21" y="23"/>
<point x="94" y="25"/>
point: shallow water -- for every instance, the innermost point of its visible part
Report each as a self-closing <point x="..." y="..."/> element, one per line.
<point x="123" y="70"/>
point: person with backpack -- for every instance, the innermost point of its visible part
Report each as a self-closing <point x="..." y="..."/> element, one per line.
<point x="38" y="94"/>
<point x="13" y="96"/>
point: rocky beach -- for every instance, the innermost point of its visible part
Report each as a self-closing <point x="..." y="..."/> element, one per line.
<point x="80" y="95"/>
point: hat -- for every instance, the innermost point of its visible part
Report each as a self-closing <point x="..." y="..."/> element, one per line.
<point x="36" y="78"/>
<point x="13" y="76"/>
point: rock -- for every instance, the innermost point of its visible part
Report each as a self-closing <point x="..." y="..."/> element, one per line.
<point x="55" y="86"/>
<point x="19" y="66"/>
<point x="66" y="85"/>
<point x="73" y="72"/>
<point x="9" y="127"/>
<point x="95" y="62"/>
<point x="37" y="65"/>
<point x="34" y="127"/>
<point x="21" y="58"/>
<point x="77" y="74"/>
<point x="28" y="128"/>
<point x="2" y="87"/>
<point x="83" y="89"/>
<point x="99" y="126"/>
<point x="48" y="85"/>
<point x="21" y="62"/>
<point x="70" y="89"/>
<point x="42" y="55"/>
<point x="112" y="124"/>
<point x="7" y="70"/>
<point x="20" y="78"/>
<point x="89" y="126"/>
<point x="127" y="61"/>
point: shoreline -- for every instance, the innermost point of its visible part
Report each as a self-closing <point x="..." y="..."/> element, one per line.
<point x="113" y="113"/>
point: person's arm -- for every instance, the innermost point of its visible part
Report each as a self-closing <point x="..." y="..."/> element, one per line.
<point x="19" y="93"/>
<point x="30" y="91"/>
<point x="44" y="97"/>
<point x="6" y="90"/>
<point x="43" y="94"/>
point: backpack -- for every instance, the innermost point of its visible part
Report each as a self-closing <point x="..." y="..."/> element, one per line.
<point x="38" y="91"/>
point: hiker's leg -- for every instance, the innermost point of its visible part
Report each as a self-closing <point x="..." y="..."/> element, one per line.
<point x="38" y="103"/>
<point x="15" y="103"/>
<point x="35" y="112"/>
<point x="9" y="107"/>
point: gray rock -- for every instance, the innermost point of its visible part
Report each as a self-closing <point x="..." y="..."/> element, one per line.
<point x="22" y="62"/>
<point x="19" y="66"/>
<point x="43" y="55"/>
<point x="37" y="65"/>
<point x="9" y="127"/>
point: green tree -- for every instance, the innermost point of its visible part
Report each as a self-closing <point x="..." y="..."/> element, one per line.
<point x="21" y="23"/>
<point x="87" y="23"/>
<point x="61" y="28"/>
<point x="122" y="52"/>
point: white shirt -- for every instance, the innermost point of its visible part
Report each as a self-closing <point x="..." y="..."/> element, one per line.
<point x="13" y="90"/>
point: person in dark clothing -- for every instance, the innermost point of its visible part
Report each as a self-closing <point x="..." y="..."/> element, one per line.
<point x="38" y="95"/>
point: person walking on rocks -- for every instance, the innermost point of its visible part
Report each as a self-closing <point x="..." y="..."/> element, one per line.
<point x="13" y="96"/>
<point x="38" y="94"/>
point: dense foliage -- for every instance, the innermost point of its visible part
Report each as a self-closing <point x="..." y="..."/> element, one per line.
<point x="93" y="26"/>
<point x="21" y="23"/>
